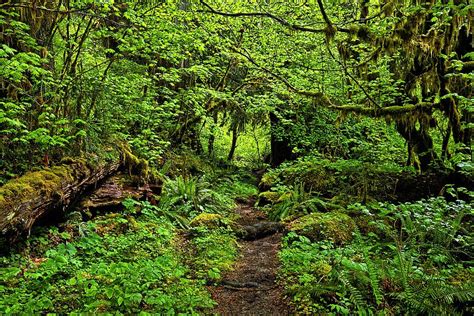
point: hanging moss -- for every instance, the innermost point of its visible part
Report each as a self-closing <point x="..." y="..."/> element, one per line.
<point x="136" y="166"/>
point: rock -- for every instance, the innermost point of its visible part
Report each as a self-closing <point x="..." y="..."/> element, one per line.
<point x="334" y="226"/>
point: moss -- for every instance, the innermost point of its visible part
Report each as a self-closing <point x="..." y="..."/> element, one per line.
<point x="335" y="226"/>
<point x="32" y="184"/>
<point x="321" y="268"/>
<point x="135" y="165"/>
<point x="270" y="196"/>
<point x="269" y="179"/>
<point x="461" y="276"/>
<point x="209" y="220"/>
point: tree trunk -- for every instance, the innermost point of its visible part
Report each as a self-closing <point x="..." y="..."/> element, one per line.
<point x="235" y="135"/>
<point x="26" y="199"/>
<point x="212" y="137"/>
<point x="280" y="149"/>
<point x="419" y="141"/>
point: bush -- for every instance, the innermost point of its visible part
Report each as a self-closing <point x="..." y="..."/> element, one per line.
<point x="417" y="265"/>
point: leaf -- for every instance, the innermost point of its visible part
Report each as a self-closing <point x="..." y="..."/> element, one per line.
<point x="109" y="292"/>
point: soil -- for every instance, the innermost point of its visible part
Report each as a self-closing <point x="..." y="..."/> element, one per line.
<point x="251" y="288"/>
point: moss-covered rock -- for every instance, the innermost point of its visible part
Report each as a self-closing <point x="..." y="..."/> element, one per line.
<point x="335" y="226"/>
<point x="209" y="220"/>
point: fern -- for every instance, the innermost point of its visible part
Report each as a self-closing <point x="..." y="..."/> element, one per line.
<point x="357" y="298"/>
<point x="373" y="277"/>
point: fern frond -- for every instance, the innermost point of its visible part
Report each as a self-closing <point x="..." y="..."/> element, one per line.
<point x="357" y="298"/>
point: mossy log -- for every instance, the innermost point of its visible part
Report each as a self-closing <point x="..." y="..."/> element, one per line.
<point x="115" y="190"/>
<point x="26" y="199"/>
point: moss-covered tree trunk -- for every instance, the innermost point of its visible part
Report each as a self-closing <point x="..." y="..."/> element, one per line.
<point x="26" y="199"/>
<point x="419" y="142"/>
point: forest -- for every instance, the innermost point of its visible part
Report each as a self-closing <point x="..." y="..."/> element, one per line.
<point x="224" y="157"/>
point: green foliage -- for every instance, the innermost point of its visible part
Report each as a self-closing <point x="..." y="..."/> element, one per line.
<point x="177" y="79"/>
<point x="290" y="202"/>
<point x="114" y="263"/>
<point x="349" y="179"/>
<point x="214" y="251"/>
<point x="240" y="186"/>
<point x="414" y="260"/>
<point x="190" y="196"/>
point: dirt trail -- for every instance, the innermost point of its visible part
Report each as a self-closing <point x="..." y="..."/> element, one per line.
<point x="251" y="288"/>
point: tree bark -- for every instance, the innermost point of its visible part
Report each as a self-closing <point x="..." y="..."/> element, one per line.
<point x="212" y="137"/>
<point x="235" y="135"/>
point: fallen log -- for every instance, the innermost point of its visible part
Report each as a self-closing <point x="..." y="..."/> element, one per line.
<point x="114" y="191"/>
<point x="259" y="230"/>
<point x="26" y="199"/>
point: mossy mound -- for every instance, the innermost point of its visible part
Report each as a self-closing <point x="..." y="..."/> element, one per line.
<point x="334" y="226"/>
<point x="269" y="196"/>
<point x="209" y="220"/>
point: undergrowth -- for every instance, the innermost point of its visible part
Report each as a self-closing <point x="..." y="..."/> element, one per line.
<point x="412" y="258"/>
<point x="143" y="259"/>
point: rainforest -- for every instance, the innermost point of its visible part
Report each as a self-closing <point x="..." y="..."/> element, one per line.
<point x="225" y="157"/>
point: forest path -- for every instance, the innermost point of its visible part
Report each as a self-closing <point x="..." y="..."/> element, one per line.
<point x="251" y="288"/>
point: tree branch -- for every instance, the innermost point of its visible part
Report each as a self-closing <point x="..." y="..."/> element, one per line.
<point x="325" y="16"/>
<point x="271" y="16"/>
<point x="389" y="110"/>
<point x="312" y="94"/>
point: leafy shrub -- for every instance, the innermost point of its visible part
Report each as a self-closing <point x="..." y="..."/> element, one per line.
<point x="115" y="263"/>
<point x="215" y="250"/>
<point x="289" y="201"/>
<point x="236" y="186"/>
<point x="418" y="263"/>
<point x="350" y="179"/>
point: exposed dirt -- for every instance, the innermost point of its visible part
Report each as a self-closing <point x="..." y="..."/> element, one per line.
<point x="251" y="288"/>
